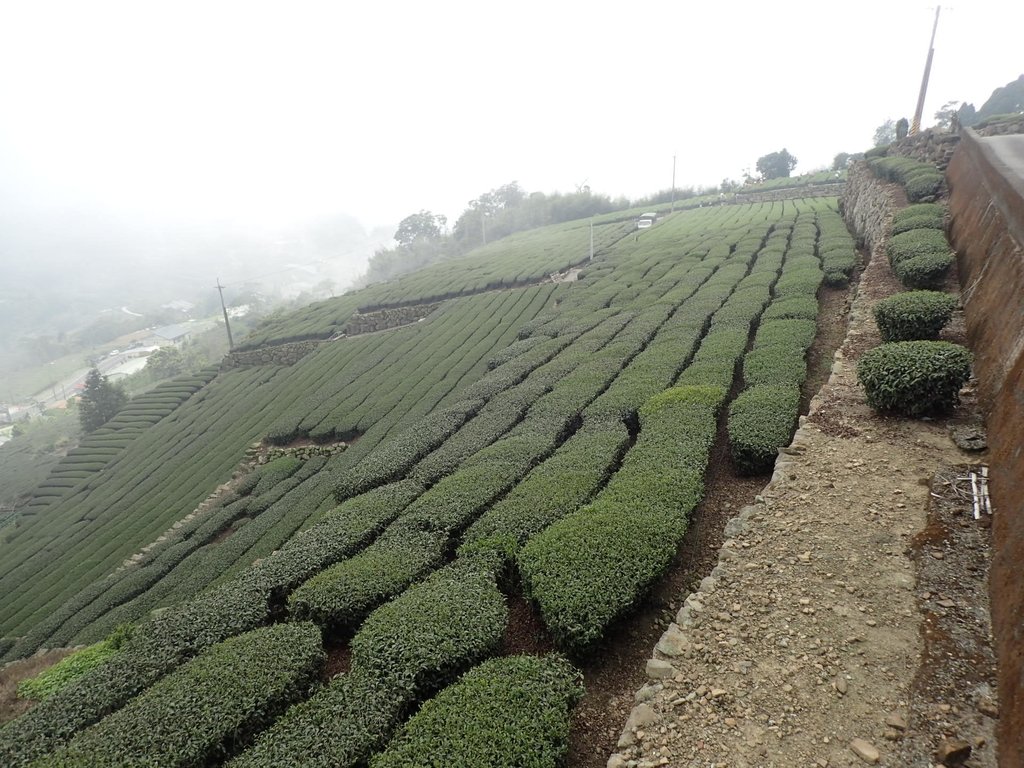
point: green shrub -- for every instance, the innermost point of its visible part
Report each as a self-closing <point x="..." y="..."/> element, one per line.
<point x="204" y="709"/>
<point x="788" y="333"/>
<point x="761" y="420"/>
<point x="839" y="262"/>
<point x="923" y="187"/>
<point x="435" y="630"/>
<point x="556" y="488"/>
<point x="592" y="566"/>
<point x="72" y="667"/>
<point x="919" y="216"/>
<point x="778" y="364"/>
<point x="921" y="272"/>
<point x="340" y="597"/>
<point x="512" y="711"/>
<point x="156" y="647"/>
<point x="914" y="315"/>
<point x="916" y="242"/>
<point x="339" y="726"/>
<point x="405" y="650"/>
<point x="274" y="472"/>
<point x="914" y="377"/>
<point x="391" y="460"/>
<point x="795" y="307"/>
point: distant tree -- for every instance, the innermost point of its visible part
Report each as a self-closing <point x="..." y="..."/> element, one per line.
<point x="841" y="161"/>
<point x="885" y="133"/>
<point x="728" y="185"/>
<point x="776" y="165"/>
<point x="420" y="226"/>
<point x="902" y="128"/>
<point x="100" y="401"/>
<point x="967" y="114"/>
<point x="945" y="114"/>
<point x="165" y="363"/>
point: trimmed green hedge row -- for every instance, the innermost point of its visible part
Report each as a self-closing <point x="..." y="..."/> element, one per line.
<point x="836" y="248"/>
<point x="512" y="711"/>
<point x="556" y="488"/>
<point x="273" y="472"/>
<point x="913" y="315"/>
<point x="919" y="216"/>
<point x="915" y="378"/>
<point x="155" y="648"/>
<point x="516" y="348"/>
<point x="434" y="631"/>
<point x="339" y="726"/>
<point x="508" y="408"/>
<point x="405" y="651"/>
<point x="593" y="565"/>
<point x="340" y="597"/>
<point x="920" y="258"/>
<point x="392" y="460"/>
<point x="921" y="181"/>
<point x="209" y="707"/>
<point x="92" y="454"/>
<point x="761" y="419"/>
<point x="70" y="668"/>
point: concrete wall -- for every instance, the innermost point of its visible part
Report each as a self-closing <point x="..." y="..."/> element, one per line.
<point x="987" y="206"/>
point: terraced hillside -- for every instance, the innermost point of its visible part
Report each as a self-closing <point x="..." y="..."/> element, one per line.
<point x="527" y="438"/>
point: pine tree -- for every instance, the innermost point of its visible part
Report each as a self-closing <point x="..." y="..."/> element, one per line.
<point x="101" y="400"/>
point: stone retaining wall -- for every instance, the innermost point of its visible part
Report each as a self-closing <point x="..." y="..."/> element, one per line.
<point x="867" y="204"/>
<point x="383" y="319"/>
<point x="987" y="230"/>
<point x="928" y="146"/>
<point x="279" y="354"/>
<point x="257" y="453"/>
<point x="937" y="147"/>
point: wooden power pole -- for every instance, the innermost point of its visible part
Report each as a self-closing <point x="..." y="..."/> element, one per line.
<point x="916" y="125"/>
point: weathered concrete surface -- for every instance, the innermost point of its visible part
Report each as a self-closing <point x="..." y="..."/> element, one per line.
<point x="986" y="182"/>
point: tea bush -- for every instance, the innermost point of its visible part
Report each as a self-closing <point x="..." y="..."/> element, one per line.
<point x="512" y="711"/>
<point x="914" y="378"/>
<point x="205" y="708"/>
<point x="920" y="258"/>
<point x="919" y="216"/>
<point x="914" y="315"/>
<point x="761" y="420"/>
<point x="593" y="565"/>
<point x="72" y="667"/>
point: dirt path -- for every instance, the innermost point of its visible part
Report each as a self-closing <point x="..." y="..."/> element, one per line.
<point x="843" y="624"/>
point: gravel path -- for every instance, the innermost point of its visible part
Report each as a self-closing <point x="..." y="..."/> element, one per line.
<point x="811" y="644"/>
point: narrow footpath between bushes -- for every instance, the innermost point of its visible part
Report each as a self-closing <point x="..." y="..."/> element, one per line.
<point x="847" y="621"/>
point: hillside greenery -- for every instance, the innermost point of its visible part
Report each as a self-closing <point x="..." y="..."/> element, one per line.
<point x="530" y="436"/>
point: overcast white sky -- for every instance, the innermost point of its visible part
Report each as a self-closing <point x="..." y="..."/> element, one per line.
<point x="265" y="111"/>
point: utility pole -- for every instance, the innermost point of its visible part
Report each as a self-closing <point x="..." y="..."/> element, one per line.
<point x="227" y="324"/>
<point x="916" y="125"/>
<point x="673" y="184"/>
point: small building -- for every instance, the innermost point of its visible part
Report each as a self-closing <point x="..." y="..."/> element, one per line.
<point x="176" y="334"/>
<point x="646" y="220"/>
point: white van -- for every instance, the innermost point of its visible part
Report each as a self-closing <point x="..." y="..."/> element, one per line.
<point x="646" y="220"/>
